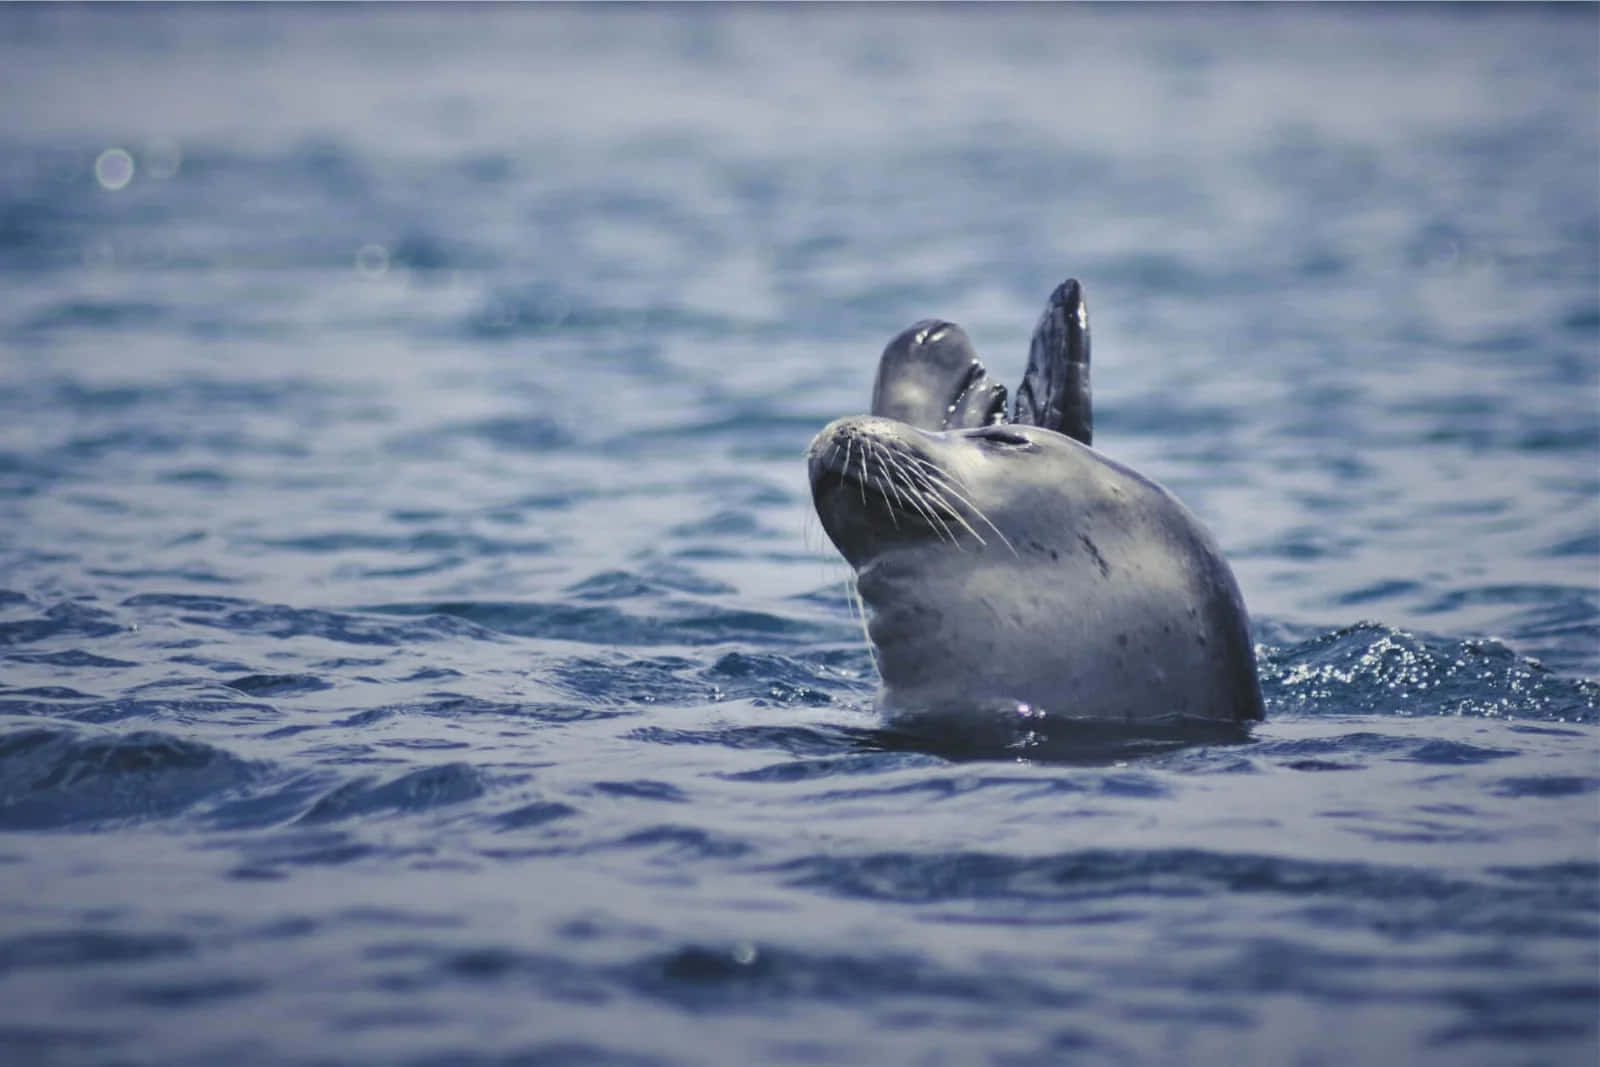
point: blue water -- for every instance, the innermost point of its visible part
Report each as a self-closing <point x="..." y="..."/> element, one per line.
<point x="416" y="646"/>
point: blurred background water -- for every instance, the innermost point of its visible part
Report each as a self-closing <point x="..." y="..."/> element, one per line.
<point x="416" y="645"/>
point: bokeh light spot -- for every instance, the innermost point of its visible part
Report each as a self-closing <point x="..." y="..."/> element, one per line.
<point x="113" y="169"/>
<point x="372" y="261"/>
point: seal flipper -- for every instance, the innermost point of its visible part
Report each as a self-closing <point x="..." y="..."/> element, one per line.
<point x="1054" y="392"/>
<point x="982" y="403"/>
<point x="930" y="377"/>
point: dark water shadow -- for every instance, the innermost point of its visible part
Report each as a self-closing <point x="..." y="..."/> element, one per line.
<point x="962" y="736"/>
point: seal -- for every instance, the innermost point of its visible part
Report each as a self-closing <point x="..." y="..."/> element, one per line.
<point x="1008" y="565"/>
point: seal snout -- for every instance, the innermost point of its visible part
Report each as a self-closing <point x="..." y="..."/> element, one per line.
<point x="876" y="482"/>
<point x="835" y="447"/>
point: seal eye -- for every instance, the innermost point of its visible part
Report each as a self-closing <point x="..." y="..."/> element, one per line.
<point x="1002" y="439"/>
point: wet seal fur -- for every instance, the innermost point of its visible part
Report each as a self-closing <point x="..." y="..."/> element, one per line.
<point x="1009" y="569"/>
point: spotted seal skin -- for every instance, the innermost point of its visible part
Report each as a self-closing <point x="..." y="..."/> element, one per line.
<point x="1009" y="565"/>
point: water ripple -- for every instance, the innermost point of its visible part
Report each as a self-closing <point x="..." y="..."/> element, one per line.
<point x="59" y="777"/>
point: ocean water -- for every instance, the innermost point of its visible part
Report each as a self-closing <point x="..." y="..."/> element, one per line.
<point x="416" y="646"/>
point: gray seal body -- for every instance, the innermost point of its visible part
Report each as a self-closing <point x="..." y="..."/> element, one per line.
<point x="1010" y="566"/>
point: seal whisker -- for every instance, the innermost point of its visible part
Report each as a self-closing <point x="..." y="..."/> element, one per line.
<point x="935" y="492"/>
<point x="938" y="497"/>
<point x="887" y="483"/>
<point x="936" y="508"/>
<point x="919" y="502"/>
<point x="880" y="487"/>
<point x="859" y="610"/>
<point x="885" y="461"/>
<point x="849" y="449"/>
<point x="866" y="478"/>
<point x="919" y="499"/>
<point x="832" y="455"/>
<point x="956" y="489"/>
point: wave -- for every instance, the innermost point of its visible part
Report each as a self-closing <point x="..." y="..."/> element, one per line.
<point x="61" y="777"/>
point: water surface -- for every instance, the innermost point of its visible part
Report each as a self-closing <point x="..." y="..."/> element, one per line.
<point x="416" y="645"/>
